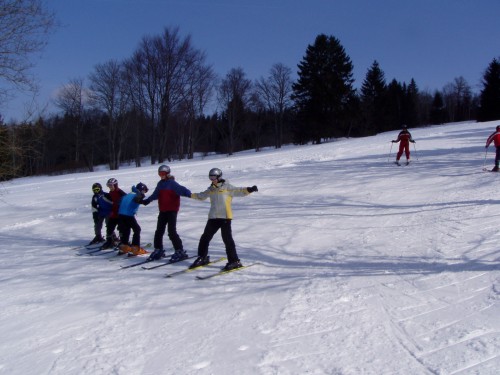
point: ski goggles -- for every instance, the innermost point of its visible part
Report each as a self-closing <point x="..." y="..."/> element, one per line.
<point x="96" y="190"/>
<point x="213" y="177"/>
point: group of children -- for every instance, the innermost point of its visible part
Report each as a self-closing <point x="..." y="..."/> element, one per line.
<point x="118" y="210"/>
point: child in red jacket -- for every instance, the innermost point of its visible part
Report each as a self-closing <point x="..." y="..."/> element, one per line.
<point x="116" y="195"/>
<point x="168" y="193"/>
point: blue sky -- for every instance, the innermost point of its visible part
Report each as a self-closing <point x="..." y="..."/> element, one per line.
<point x="432" y="41"/>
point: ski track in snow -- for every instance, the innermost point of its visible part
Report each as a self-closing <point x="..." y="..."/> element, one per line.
<point x="367" y="268"/>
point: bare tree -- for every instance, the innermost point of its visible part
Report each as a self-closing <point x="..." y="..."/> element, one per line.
<point x="164" y="65"/>
<point x="199" y="88"/>
<point x="24" y="26"/>
<point x="71" y="99"/>
<point x="275" y="91"/>
<point x="234" y="95"/>
<point x="108" y="92"/>
<point x="458" y="99"/>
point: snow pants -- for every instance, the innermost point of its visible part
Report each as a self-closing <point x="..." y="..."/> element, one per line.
<point x="167" y="219"/>
<point x="213" y="225"/>
<point x="126" y="225"/>
<point x="98" y="222"/>
<point x="111" y="225"/>
<point x="403" y="147"/>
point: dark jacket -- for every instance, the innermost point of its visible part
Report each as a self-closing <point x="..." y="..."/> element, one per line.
<point x="168" y="193"/>
<point x="102" y="204"/>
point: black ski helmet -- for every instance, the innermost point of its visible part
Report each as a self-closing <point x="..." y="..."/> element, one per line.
<point x="141" y="187"/>
<point x="96" y="188"/>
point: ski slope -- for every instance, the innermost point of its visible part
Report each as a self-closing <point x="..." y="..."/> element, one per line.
<point x="365" y="267"/>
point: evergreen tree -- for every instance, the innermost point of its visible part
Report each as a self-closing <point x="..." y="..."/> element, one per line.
<point x="395" y="105"/>
<point x="373" y="95"/>
<point x="438" y="112"/>
<point x="411" y="105"/>
<point x="324" y="90"/>
<point x="490" y="94"/>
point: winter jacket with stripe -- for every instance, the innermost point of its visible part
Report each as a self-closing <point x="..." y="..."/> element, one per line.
<point x="168" y="193"/>
<point x="221" y="195"/>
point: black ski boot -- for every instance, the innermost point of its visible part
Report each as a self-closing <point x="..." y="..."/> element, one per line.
<point x="200" y="261"/>
<point x="107" y="245"/>
<point x="232" y="265"/>
<point x="157" y="254"/>
<point x="178" y="256"/>
<point x="96" y="240"/>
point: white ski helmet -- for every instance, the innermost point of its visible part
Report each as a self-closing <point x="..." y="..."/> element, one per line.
<point x="215" y="172"/>
<point x="112" y="182"/>
<point x="164" y="168"/>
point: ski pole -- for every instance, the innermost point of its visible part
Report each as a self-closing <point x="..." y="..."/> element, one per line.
<point x="484" y="162"/>
<point x="416" y="155"/>
<point x="390" y="151"/>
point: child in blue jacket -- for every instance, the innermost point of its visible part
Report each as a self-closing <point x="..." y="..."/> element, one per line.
<point x="101" y="208"/>
<point x="127" y="221"/>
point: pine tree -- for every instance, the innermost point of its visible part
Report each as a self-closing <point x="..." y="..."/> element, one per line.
<point x="490" y="94"/>
<point x="373" y="96"/>
<point x="324" y="91"/>
<point x="438" y="113"/>
<point x="395" y="105"/>
<point x="411" y="105"/>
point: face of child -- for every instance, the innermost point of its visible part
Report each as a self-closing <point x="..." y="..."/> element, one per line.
<point x="96" y="190"/>
<point x="163" y="175"/>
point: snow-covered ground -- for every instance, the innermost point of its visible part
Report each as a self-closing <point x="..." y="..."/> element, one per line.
<point x="365" y="268"/>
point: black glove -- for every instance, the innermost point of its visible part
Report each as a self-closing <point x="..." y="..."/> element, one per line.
<point x="413" y="141"/>
<point x="252" y="189"/>
<point x="145" y="202"/>
<point x="393" y="141"/>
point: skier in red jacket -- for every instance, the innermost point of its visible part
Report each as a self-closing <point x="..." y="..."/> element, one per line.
<point x="404" y="139"/>
<point x="495" y="138"/>
<point x="168" y="193"/>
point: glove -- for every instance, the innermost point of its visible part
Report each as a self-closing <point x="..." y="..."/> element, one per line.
<point x="393" y="141"/>
<point x="252" y="189"/>
<point x="145" y="202"/>
<point x="413" y="141"/>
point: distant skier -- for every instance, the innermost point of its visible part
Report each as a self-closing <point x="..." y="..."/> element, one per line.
<point x="404" y="139"/>
<point x="220" y="215"/>
<point x="495" y="138"/>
